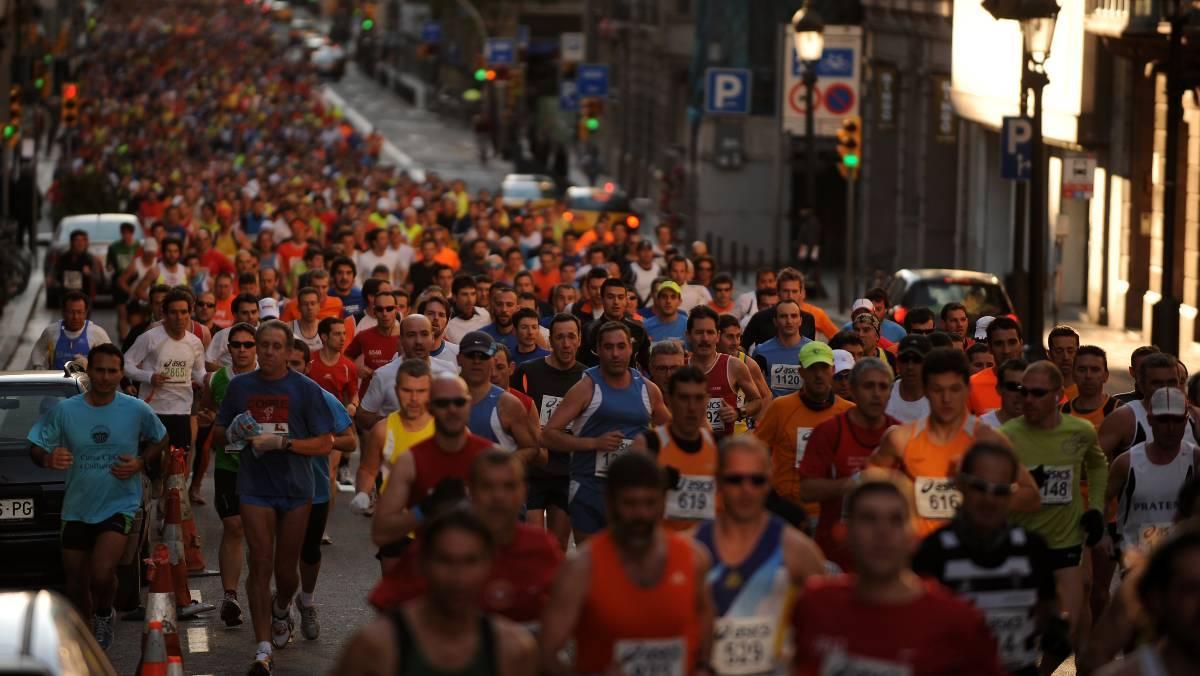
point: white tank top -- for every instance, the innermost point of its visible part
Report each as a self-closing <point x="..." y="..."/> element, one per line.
<point x="313" y="343"/>
<point x="1142" y="432"/>
<point x="1147" y="504"/>
<point x="903" y="410"/>
<point x="176" y="277"/>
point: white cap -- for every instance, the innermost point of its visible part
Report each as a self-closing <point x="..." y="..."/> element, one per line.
<point x="861" y="304"/>
<point x="842" y="361"/>
<point x="981" y="325"/>
<point x="150" y="245"/>
<point x="1168" y="401"/>
<point x="268" y="309"/>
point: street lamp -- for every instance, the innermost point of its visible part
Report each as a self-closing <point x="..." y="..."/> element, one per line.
<point x="808" y="38"/>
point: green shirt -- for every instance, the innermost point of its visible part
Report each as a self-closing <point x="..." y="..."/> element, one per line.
<point x="120" y="255"/>
<point x="219" y="384"/>
<point x="1056" y="459"/>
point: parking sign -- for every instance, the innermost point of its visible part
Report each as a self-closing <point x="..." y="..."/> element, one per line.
<point x="727" y="91"/>
<point x="1016" y="151"/>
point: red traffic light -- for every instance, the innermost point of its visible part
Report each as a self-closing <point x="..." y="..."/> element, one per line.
<point x="70" y="90"/>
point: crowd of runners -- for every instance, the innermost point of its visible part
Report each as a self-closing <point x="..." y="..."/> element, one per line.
<point x="576" y="451"/>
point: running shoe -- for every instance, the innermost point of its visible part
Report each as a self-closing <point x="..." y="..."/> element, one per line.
<point x="310" y="627"/>
<point x="282" y="628"/>
<point x="231" y="610"/>
<point x="344" y="476"/>
<point x="262" y="665"/>
<point x="325" y="539"/>
<point x="102" y="629"/>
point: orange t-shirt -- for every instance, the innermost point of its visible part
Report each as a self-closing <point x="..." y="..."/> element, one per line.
<point x="448" y="256"/>
<point x="223" y="314"/>
<point x="544" y="282"/>
<point x="332" y="307"/>
<point x="983" y="396"/>
<point x="821" y="320"/>
<point x="694" y="498"/>
<point x="785" y="428"/>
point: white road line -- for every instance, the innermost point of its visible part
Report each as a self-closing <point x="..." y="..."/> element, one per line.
<point x="197" y="638"/>
<point x="195" y="593"/>
<point x="402" y="159"/>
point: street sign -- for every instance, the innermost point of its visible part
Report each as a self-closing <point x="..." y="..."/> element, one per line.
<point x="1016" y="148"/>
<point x="592" y="79"/>
<point x="500" y="51"/>
<point x="1078" y="181"/>
<point x="727" y="91"/>
<point x="431" y="32"/>
<point x="572" y="47"/>
<point x="568" y="96"/>
<point x="522" y="36"/>
<point x="839" y="76"/>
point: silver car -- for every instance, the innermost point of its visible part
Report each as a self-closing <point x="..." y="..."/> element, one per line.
<point x="41" y="633"/>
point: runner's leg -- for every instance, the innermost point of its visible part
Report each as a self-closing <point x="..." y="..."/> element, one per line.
<point x="106" y="554"/>
<point x="558" y="522"/>
<point x="259" y="526"/>
<point x="230" y="556"/>
<point x="310" y="551"/>
<point x="77" y="565"/>
<point x="292" y="525"/>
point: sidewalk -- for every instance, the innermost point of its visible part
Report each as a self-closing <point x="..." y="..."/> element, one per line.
<point x="19" y="309"/>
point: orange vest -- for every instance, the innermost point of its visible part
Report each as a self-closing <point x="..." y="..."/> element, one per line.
<point x="694" y="498"/>
<point x="647" y="630"/>
<point x="928" y="465"/>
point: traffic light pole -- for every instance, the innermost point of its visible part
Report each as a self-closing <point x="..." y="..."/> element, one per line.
<point x="847" y="290"/>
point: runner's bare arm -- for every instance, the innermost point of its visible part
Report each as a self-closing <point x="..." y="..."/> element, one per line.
<point x="1117" y="473"/>
<point x="802" y="556"/>
<point x="889" y="455"/>
<point x="366" y="419"/>
<point x="561" y="613"/>
<point x="659" y="414"/>
<point x="523" y="429"/>
<point x="153" y="450"/>
<point x="393" y="521"/>
<point x="742" y="380"/>
<point x="640" y="445"/>
<point x="1115" y="431"/>
<point x="321" y="444"/>
<point x="517" y="649"/>
<point x="760" y="381"/>
<point x="574" y="403"/>
<point x="372" y="457"/>
<point x="372" y="651"/>
<point x="346" y="440"/>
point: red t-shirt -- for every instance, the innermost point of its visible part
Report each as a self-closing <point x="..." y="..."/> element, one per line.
<point x="526" y="400"/>
<point x="431" y="464"/>
<point x="376" y="349"/>
<point x="223" y="313"/>
<point x="216" y="262"/>
<point x="288" y="253"/>
<point x="517" y="587"/>
<point x="935" y="634"/>
<point x="837" y="449"/>
<point x="340" y="380"/>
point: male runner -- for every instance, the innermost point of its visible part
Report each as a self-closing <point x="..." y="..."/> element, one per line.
<point x="762" y="326"/>
<point x="866" y="325"/>
<point x="885" y="619"/>
<point x="730" y="343"/>
<point x="280" y="419"/>
<point x="1135" y="367"/>
<point x="777" y="356"/>
<point x="416" y="337"/>
<point x="437" y="310"/>
<point x="954" y="318"/>
<point x="666" y="357"/>
<point x="980" y="357"/>
<point x="376" y="345"/>
<point x="496" y="414"/>
<point x="528" y="330"/>
<point x="1128" y="425"/>
<point x="1004" y="341"/>
<point x="331" y="369"/>
<point x="306" y="326"/>
<point x="613" y="294"/>
<point x="635" y="597"/>
<point x="907" y="402"/>
<point x="502" y="329"/>
<point x="245" y="311"/>
<point x="1012" y="397"/>
<point x="1091" y="402"/>
<point x="838" y="451"/>
<point x="1005" y="571"/>
<point x="467" y="315"/>
<point x="443" y="631"/>
<point x="69" y="338"/>
<point x="1062" y="345"/>
<point x="609" y="406"/>
<point x="667" y="321"/>
<point x="758" y="560"/>
<point x="732" y="393"/>
<point x="102" y="430"/>
<point x="547" y="380"/>
<point x="399" y="431"/>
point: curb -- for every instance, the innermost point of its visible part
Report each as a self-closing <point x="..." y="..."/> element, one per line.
<point x="400" y="158"/>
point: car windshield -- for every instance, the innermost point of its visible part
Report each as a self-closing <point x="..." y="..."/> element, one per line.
<point x="525" y="190"/>
<point x="22" y="405"/>
<point x="98" y="231"/>
<point x="980" y="298"/>
<point x="599" y="200"/>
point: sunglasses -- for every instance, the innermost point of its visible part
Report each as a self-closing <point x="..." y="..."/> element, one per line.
<point x="457" y="402"/>
<point x="385" y="308"/>
<point x="240" y="344"/>
<point x="909" y="358"/>
<point x="1035" y="392"/>
<point x="757" y="480"/>
<point x="976" y="484"/>
<point x="199" y="304"/>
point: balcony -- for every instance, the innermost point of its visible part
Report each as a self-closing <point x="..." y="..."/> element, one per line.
<point x="1123" y="18"/>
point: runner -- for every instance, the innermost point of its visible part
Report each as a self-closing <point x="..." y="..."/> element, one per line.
<point x="1004" y="341"/>
<point x="95" y="437"/>
<point x="613" y="294"/>
<point x="758" y="562"/>
<point x="1128" y="426"/>
<point x="1135" y="366"/>
<point x="635" y="597"/>
<point x="787" y="425"/>
<point x="907" y="402"/>
<point x="168" y="271"/>
<point x="763" y="325"/>
<point x="1056" y="449"/>
<point x="547" y="381"/>
<point x="443" y="631"/>
<point x="69" y="338"/>
<point x="496" y="415"/>
<point x="666" y="357"/>
<point x="1012" y="397"/>
<point x="376" y="345"/>
<point x="955" y="318"/>
<point x="884" y="619"/>
<point x="609" y="406"/>
<point x="416" y="337"/>
<point x="666" y="321"/>
<point x="1005" y="571"/>
<point x="344" y="273"/>
<point x="838" y="451"/>
<point x="468" y="316"/>
<point x="776" y="356"/>
<point x="280" y="419"/>
<point x="1062" y="345"/>
<point x="866" y="325"/>
<point x="399" y="431"/>
<point x="502" y="329"/>
<point x="528" y="332"/>
<point x="730" y="343"/>
<point x="980" y="357"/>
<point x="926" y="451"/>
<point x="732" y="393"/>
<point x="843" y="364"/>
<point x="437" y="310"/>
<point x="305" y="327"/>
<point x="245" y="311"/>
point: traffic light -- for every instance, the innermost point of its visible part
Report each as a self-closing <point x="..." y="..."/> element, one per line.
<point x="13" y="128"/>
<point x="849" y="147"/>
<point x="70" y="104"/>
<point x="593" y="109"/>
<point x="480" y="74"/>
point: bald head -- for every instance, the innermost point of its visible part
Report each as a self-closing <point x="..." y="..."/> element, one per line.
<point x="448" y="386"/>
<point x="416" y="336"/>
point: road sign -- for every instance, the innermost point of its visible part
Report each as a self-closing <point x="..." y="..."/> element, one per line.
<point x="522" y="36"/>
<point x="1078" y="181"/>
<point x="572" y="47"/>
<point x="431" y="32"/>
<point x="500" y="51"/>
<point x="727" y="91"/>
<point x="568" y="96"/>
<point x="592" y="79"/>
<point x="1016" y="148"/>
<point x="839" y="75"/>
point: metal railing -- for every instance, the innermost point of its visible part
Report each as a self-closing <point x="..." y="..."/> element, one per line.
<point x="1117" y="17"/>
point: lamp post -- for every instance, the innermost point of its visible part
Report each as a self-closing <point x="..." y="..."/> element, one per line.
<point x="808" y="39"/>
<point x="1164" y="325"/>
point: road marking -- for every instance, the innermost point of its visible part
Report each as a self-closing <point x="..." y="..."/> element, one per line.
<point x="197" y="638"/>
<point x="363" y="125"/>
<point x="195" y="593"/>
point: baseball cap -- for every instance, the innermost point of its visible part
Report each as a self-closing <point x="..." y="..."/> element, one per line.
<point x="914" y="342"/>
<point x="669" y="285"/>
<point x="861" y="304"/>
<point x="477" y="342"/>
<point x="150" y="245"/>
<point x="842" y="361"/>
<point x="1168" y="401"/>
<point x="268" y="309"/>
<point x="815" y="353"/>
<point x="866" y="318"/>
<point x="981" y="325"/>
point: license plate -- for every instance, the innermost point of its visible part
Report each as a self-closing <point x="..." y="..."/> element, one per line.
<point x="12" y="510"/>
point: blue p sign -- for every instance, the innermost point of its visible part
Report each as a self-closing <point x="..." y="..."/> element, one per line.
<point x="727" y="91"/>
<point x="1016" y="153"/>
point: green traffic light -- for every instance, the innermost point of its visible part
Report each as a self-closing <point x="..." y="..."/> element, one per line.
<point x="593" y="124"/>
<point x="48" y="59"/>
<point x="39" y="83"/>
<point x="481" y="75"/>
<point x="9" y="131"/>
<point x="368" y="24"/>
<point x="850" y="161"/>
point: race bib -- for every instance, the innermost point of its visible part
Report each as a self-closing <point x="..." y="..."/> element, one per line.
<point x="937" y="498"/>
<point x="662" y="657"/>
<point x="802" y="436"/>
<point x="1149" y="534"/>
<point x="73" y="279"/>
<point x="839" y="663"/>
<point x="549" y="404"/>
<point x="786" y="377"/>
<point x="1059" y="485"/>
<point x="714" y="414"/>
<point x="695" y="498"/>
<point x="743" y="645"/>
<point x="1013" y="629"/>
<point x="177" y="371"/>
<point x="606" y="458"/>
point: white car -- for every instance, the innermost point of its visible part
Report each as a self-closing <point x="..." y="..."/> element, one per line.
<point x="330" y="60"/>
<point x="102" y="230"/>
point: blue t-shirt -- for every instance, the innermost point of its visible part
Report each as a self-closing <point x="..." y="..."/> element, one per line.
<point x="320" y="463"/>
<point x="96" y="436"/>
<point x="780" y="365"/>
<point x="522" y="357"/>
<point x="292" y="406"/>
<point x="889" y="329"/>
<point x="659" y="330"/>
<point x="352" y="303"/>
<point x="508" y="340"/>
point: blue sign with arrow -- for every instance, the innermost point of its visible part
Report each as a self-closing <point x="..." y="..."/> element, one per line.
<point x="592" y="79"/>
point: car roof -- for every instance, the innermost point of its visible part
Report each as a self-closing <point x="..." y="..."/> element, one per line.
<point x="527" y="178"/>
<point x="935" y="273"/>
<point x="47" y="377"/>
<point x="95" y="218"/>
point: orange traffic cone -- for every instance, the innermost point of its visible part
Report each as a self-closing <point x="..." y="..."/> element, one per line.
<point x="177" y="472"/>
<point x="174" y="665"/>
<point x="160" y="600"/>
<point x="173" y="538"/>
<point x="154" y="653"/>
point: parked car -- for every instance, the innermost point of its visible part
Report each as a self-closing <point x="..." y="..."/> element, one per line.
<point x="535" y="190"/>
<point x="42" y="633"/>
<point x="982" y="293"/>
<point x="102" y="230"/>
<point x="585" y="205"/>
<point x="329" y="59"/>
